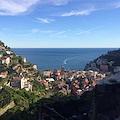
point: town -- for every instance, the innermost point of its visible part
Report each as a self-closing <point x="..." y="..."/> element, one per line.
<point x="23" y="86"/>
<point x="74" y="82"/>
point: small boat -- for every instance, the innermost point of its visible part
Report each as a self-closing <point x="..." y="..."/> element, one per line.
<point x="65" y="63"/>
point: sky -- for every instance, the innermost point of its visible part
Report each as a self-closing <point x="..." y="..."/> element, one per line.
<point x="60" y="23"/>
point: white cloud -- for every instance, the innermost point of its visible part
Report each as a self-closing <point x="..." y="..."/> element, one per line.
<point x="4" y="29"/>
<point x="45" y="20"/>
<point x="87" y="31"/>
<point x="55" y="2"/>
<point x="117" y="5"/>
<point x="76" y="13"/>
<point x="15" y="7"/>
<point x="59" y="2"/>
<point x="59" y="34"/>
<point x="35" y="30"/>
<point x="47" y="31"/>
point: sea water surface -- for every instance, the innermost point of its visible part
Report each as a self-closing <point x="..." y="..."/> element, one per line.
<point x="54" y="58"/>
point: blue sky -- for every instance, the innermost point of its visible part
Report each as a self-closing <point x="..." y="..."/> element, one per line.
<point x="60" y="23"/>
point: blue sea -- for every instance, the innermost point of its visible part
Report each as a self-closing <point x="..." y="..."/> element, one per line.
<point x="54" y="58"/>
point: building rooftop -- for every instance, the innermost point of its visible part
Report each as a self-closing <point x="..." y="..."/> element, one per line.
<point x="2" y="52"/>
<point x="17" y="78"/>
<point x="42" y="81"/>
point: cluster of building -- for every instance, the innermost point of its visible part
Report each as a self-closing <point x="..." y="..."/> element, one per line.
<point x="15" y="81"/>
<point x="4" y="59"/>
<point x="74" y="82"/>
<point x="103" y="66"/>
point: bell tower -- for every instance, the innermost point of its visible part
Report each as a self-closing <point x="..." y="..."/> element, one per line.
<point x="62" y="71"/>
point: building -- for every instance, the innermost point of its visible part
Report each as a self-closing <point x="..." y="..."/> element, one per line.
<point x="17" y="82"/>
<point x="57" y="74"/>
<point x="20" y="83"/>
<point x="3" y="75"/>
<point x="43" y="82"/>
<point x="5" y="59"/>
<point x="35" y="67"/>
<point x="47" y="73"/>
<point x="24" y="59"/>
<point x="28" y="86"/>
<point x="8" y="52"/>
<point x="104" y="68"/>
<point x="117" y="69"/>
<point x="62" y="72"/>
<point x="50" y="79"/>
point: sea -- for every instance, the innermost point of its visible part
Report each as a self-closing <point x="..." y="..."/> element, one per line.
<point x="54" y="58"/>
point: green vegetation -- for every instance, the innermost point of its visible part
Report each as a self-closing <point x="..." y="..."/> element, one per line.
<point x="28" y="105"/>
<point x="42" y="77"/>
<point x="21" y="98"/>
<point x="113" y="56"/>
<point x="2" y="44"/>
<point x="3" y="81"/>
<point x="6" y="96"/>
<point x="89" y="96"/>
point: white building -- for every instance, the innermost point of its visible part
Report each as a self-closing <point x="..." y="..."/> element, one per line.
<point x="5" y="59"/>
<point x="50" y="79"/>
<point x="24" y="59"/>
<point x="20" y="83"/>
<point x="8" y="52"/>
<point x="35" y="67"/>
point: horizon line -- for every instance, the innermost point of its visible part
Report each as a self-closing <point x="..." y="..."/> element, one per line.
<point x="64" y="48"/>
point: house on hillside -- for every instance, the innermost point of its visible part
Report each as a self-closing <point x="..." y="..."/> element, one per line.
<point x="50" y="79"/>
<point x="44" y="83"/>
<point x="35" y="67"/>
<point x="20" y="83"/>
<point x="47" y="73"/>
<point x="3" y="75"/>
<point x="5" y="59"/>
<point x="57" y="74"/>
<point x="8" y="52"/>
<point x="24" y="59"/>
<point x="104" y="68"/>
<point x="117" y="69"/>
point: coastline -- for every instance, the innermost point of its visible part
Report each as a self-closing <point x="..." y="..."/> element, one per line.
<point x="54" y="58"/>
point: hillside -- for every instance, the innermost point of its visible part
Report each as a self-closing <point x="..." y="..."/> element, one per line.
<point x="19" y="82"/>
<point x="106" y="63"/>
<point x="113" y="56"/>
<point x="23" y="93"/>
<point x="106" y="105"/>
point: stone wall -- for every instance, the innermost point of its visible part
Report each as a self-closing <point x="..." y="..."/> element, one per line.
<point x="3" y="110"/>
